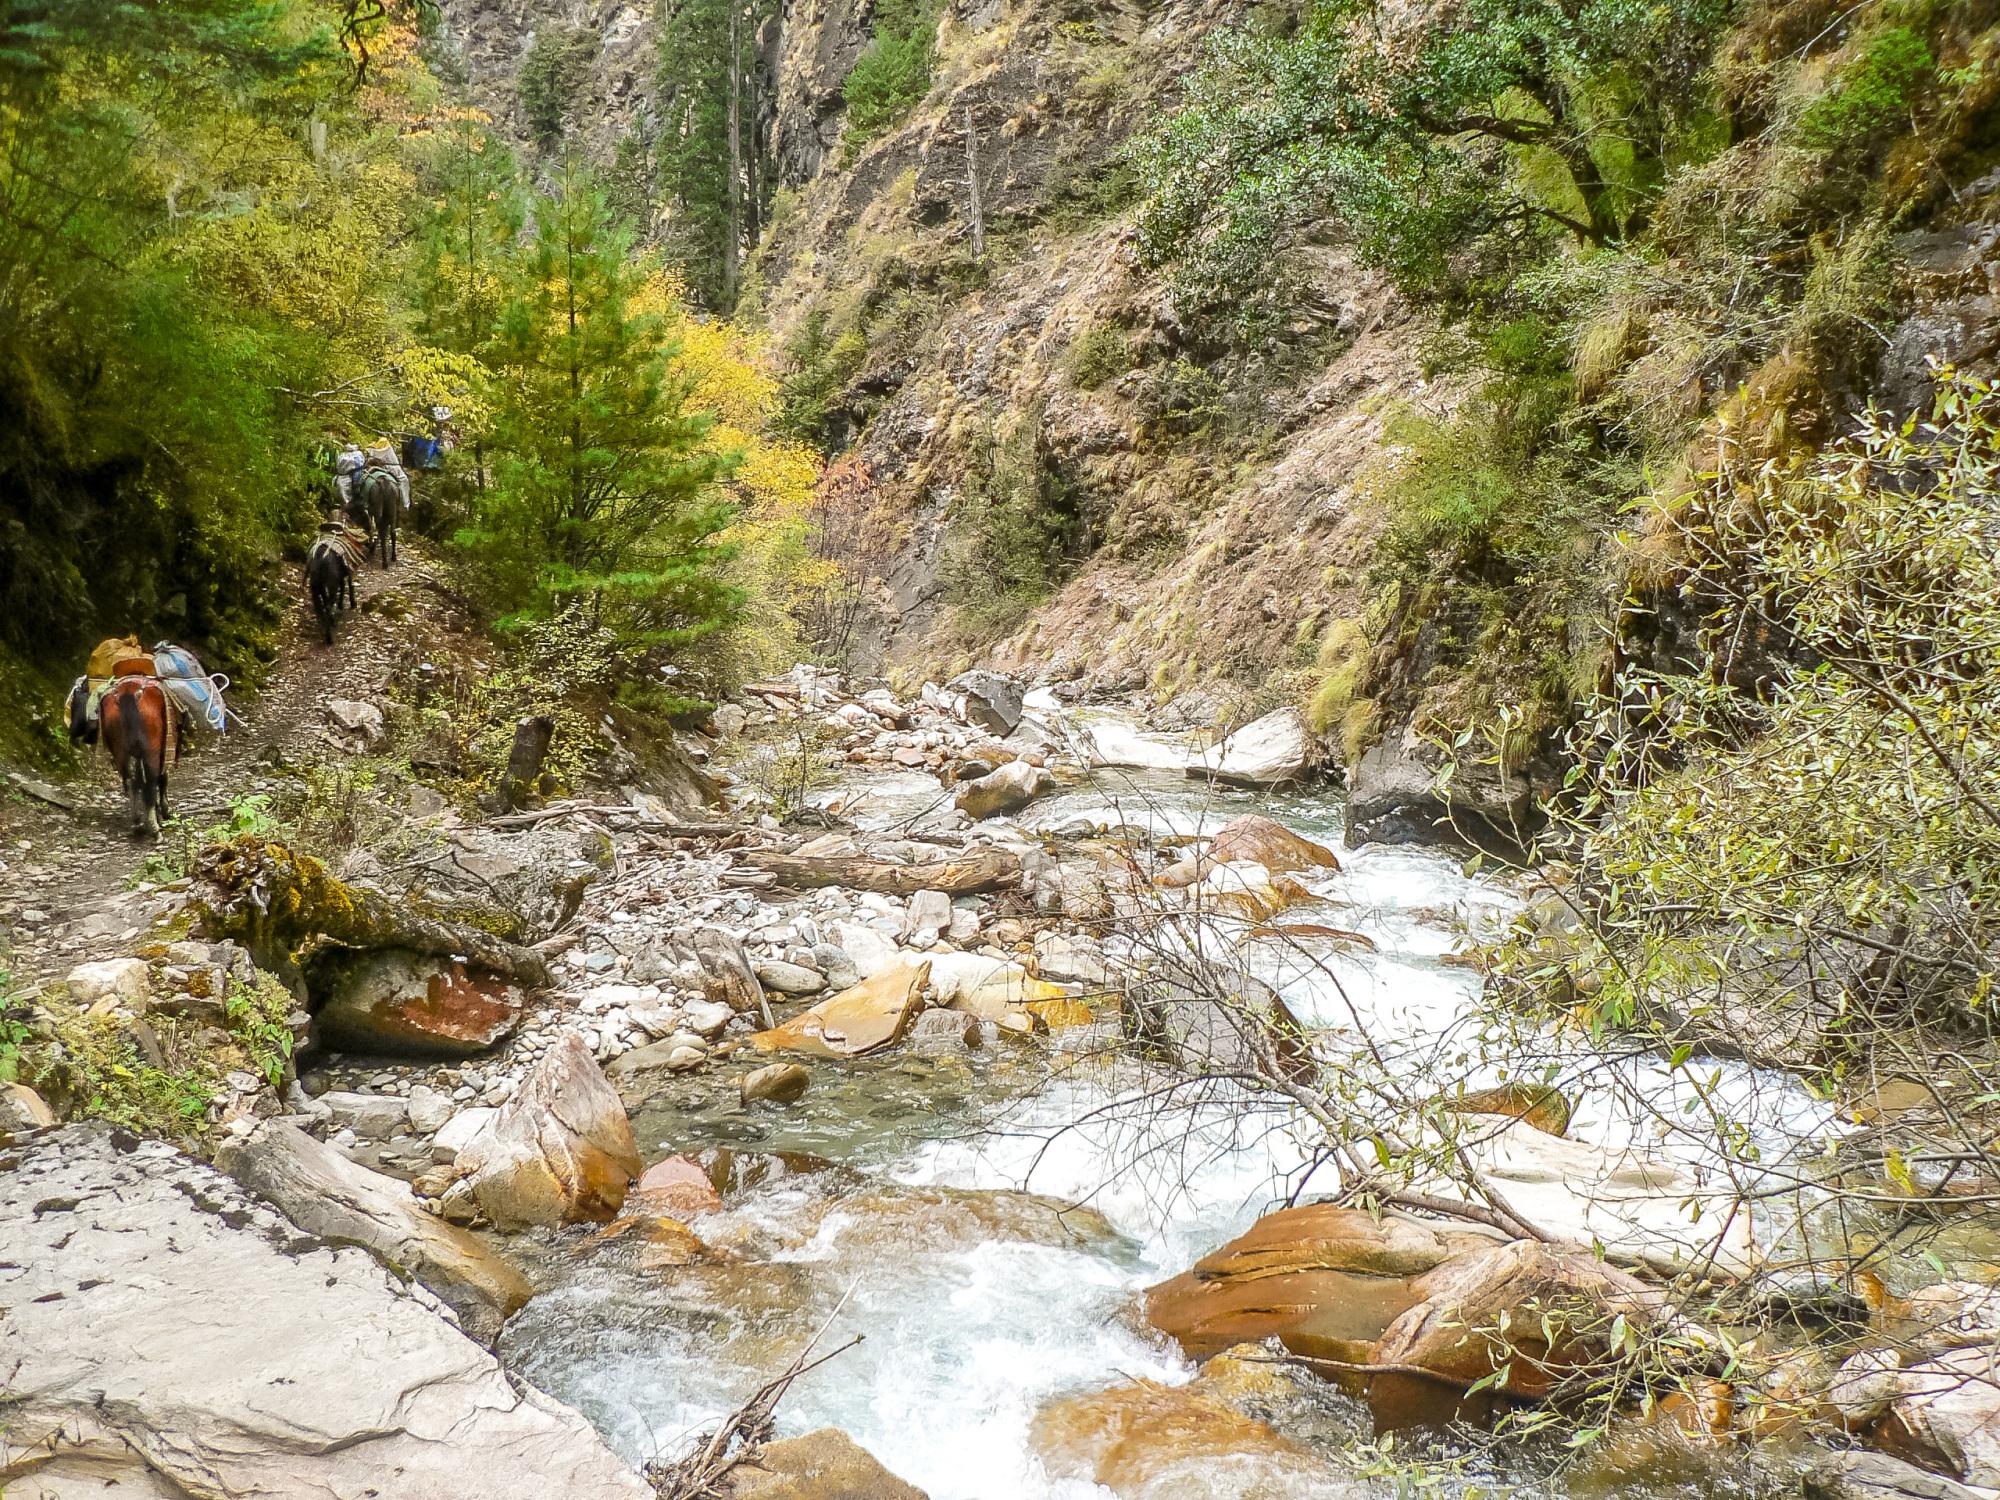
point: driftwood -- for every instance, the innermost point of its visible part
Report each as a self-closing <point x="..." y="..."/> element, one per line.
<point x="989" y="870"/>
<point x="627" y="816"/>
<point x="275" y="901"/>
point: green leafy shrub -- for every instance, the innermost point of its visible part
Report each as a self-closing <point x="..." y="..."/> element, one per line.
<point x="821" y="366"/>
<point x="1872" y="95"/>
<point x="1011" y="533"/>
<point x="893" y="74"/>
<point x="1101" y="355"/>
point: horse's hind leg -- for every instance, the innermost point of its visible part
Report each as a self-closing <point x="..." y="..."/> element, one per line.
<point x="160" y="800"/>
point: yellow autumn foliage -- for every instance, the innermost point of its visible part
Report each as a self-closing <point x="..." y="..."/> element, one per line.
<point x="728" y="374"/>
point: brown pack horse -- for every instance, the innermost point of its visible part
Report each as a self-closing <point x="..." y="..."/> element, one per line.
<point x="136" y="722"/>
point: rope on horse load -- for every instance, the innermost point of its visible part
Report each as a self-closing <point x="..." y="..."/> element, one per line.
<point x="192" y="687"/>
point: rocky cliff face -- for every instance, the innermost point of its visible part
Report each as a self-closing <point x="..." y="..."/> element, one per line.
<point x="1050" y="470"/>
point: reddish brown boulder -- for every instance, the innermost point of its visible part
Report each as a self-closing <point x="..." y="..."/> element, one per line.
<point x="1326" y="1281"/>
<point x="1559" y="1310"/>
<point x="1270" y="844"/>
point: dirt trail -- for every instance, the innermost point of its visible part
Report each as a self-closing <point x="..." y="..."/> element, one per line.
<point x="70" y="882"/>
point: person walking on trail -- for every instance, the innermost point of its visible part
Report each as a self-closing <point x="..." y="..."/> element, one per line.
<point x="348" y="463"/>
<point x="383" y="456"/>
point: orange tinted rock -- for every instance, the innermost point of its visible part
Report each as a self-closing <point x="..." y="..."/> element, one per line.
<point x="1270" y="844"/>
<point x="874" y="1013"/>
<point x="677" y="1186"/>
<point x="1558" y="1306"/>
<point x="1326" y="1281"/>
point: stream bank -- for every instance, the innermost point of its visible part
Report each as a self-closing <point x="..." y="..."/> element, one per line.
<point x="971" y="1166"/>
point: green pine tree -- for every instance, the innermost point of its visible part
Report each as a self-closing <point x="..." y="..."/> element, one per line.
<point x="604" y="495"/>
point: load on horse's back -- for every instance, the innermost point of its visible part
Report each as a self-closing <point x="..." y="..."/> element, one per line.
<point x="378" y="496"/>
<point x="331" y="563"/>
<point x="122" y="700"/>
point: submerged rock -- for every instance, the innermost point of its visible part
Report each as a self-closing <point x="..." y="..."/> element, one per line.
<point x="403" y="1004"/>
<point x="339" y="1200"/>
<point x="561" y="1151"/>
<point x="1208" y="1437"/>
<point x="822" y="1465"/>
<point x="781" y="1083"/>
<point x="184" y="1338"/>
<point x="1270" y="844"/>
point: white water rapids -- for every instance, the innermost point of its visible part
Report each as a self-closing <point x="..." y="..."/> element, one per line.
<point x="971" y="1323"/>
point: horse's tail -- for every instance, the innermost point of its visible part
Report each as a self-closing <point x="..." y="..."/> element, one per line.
<point x="132" y="757"/>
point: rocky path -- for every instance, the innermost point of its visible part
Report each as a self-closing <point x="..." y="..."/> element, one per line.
<point x="74" y="881"/>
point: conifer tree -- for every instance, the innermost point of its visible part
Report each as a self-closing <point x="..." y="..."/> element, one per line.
<point x="604" y="495"/>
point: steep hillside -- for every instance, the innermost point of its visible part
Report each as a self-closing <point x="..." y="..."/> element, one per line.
<point x="1047" y="462"/>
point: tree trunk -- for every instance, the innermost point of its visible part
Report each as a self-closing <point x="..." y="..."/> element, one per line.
<point x="990" y="870"/>
<point x="274" y="901"/>
<point x="532" y="737"/>
<point x="733" y="247"/>
<point x="978" y="207"/>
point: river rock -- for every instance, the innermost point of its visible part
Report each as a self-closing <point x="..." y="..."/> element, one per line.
<point x="187" y="1339"/>
<point x="782" y="1083"/>
<point x="1326" y="1281"/>
<point x="873" y="1014"/>
<point x="1877" y="1476"/>
<point x="430" y="1111"/>
<point x="1271" y="751"/>
<point x="944" y="1031"/>
<point x="706" y="1018"/>
<point x="992" y="702"/>
<point x="1007" y="790"/>
<point x="460" y="1131"/>
<point x="1141" y="1440"/>
<point x="927" y="918"/>
<point x="120" y="980"/>
<point x="1270" y="844"/>
<point x="372" y="1117"/>
<point x="822" y="1465"/>
<point x="1536" y="1289"/>
<point x="1209" y="1017"/>
<point x="1069" y="959"/>
<point x="678" y="1185"/>
<point x="867" y="949"/>
<point x="839" y="969"/>
<point x="726" y="975"/>
<point x="1247" y="890"/>
<point x="21" y="1108"/>
<point x="338" y="1200"/>
<point x="1633" y="1201"/>
<point x="987" y="987"/>
<point x="560" y="1151"/>
<point x="789" y="979"/>
<point x="405" y="1005"/>
<point x="1946" y="1414"/>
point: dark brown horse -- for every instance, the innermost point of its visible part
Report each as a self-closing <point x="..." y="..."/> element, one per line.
<point x="136" y="722"/>
<point x="377" y="497"/>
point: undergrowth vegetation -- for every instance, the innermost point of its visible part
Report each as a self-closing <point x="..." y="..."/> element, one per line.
<point x="1633" y="229"/>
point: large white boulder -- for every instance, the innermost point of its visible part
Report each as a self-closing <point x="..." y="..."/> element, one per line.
<point x="175" y="1336"/>
<point x="1269" y="751"/>
<point x="561" y="1151"/>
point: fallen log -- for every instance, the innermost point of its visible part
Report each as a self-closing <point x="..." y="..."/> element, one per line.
<point x="988" y="870"/>
<point x="275" y="901"/>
